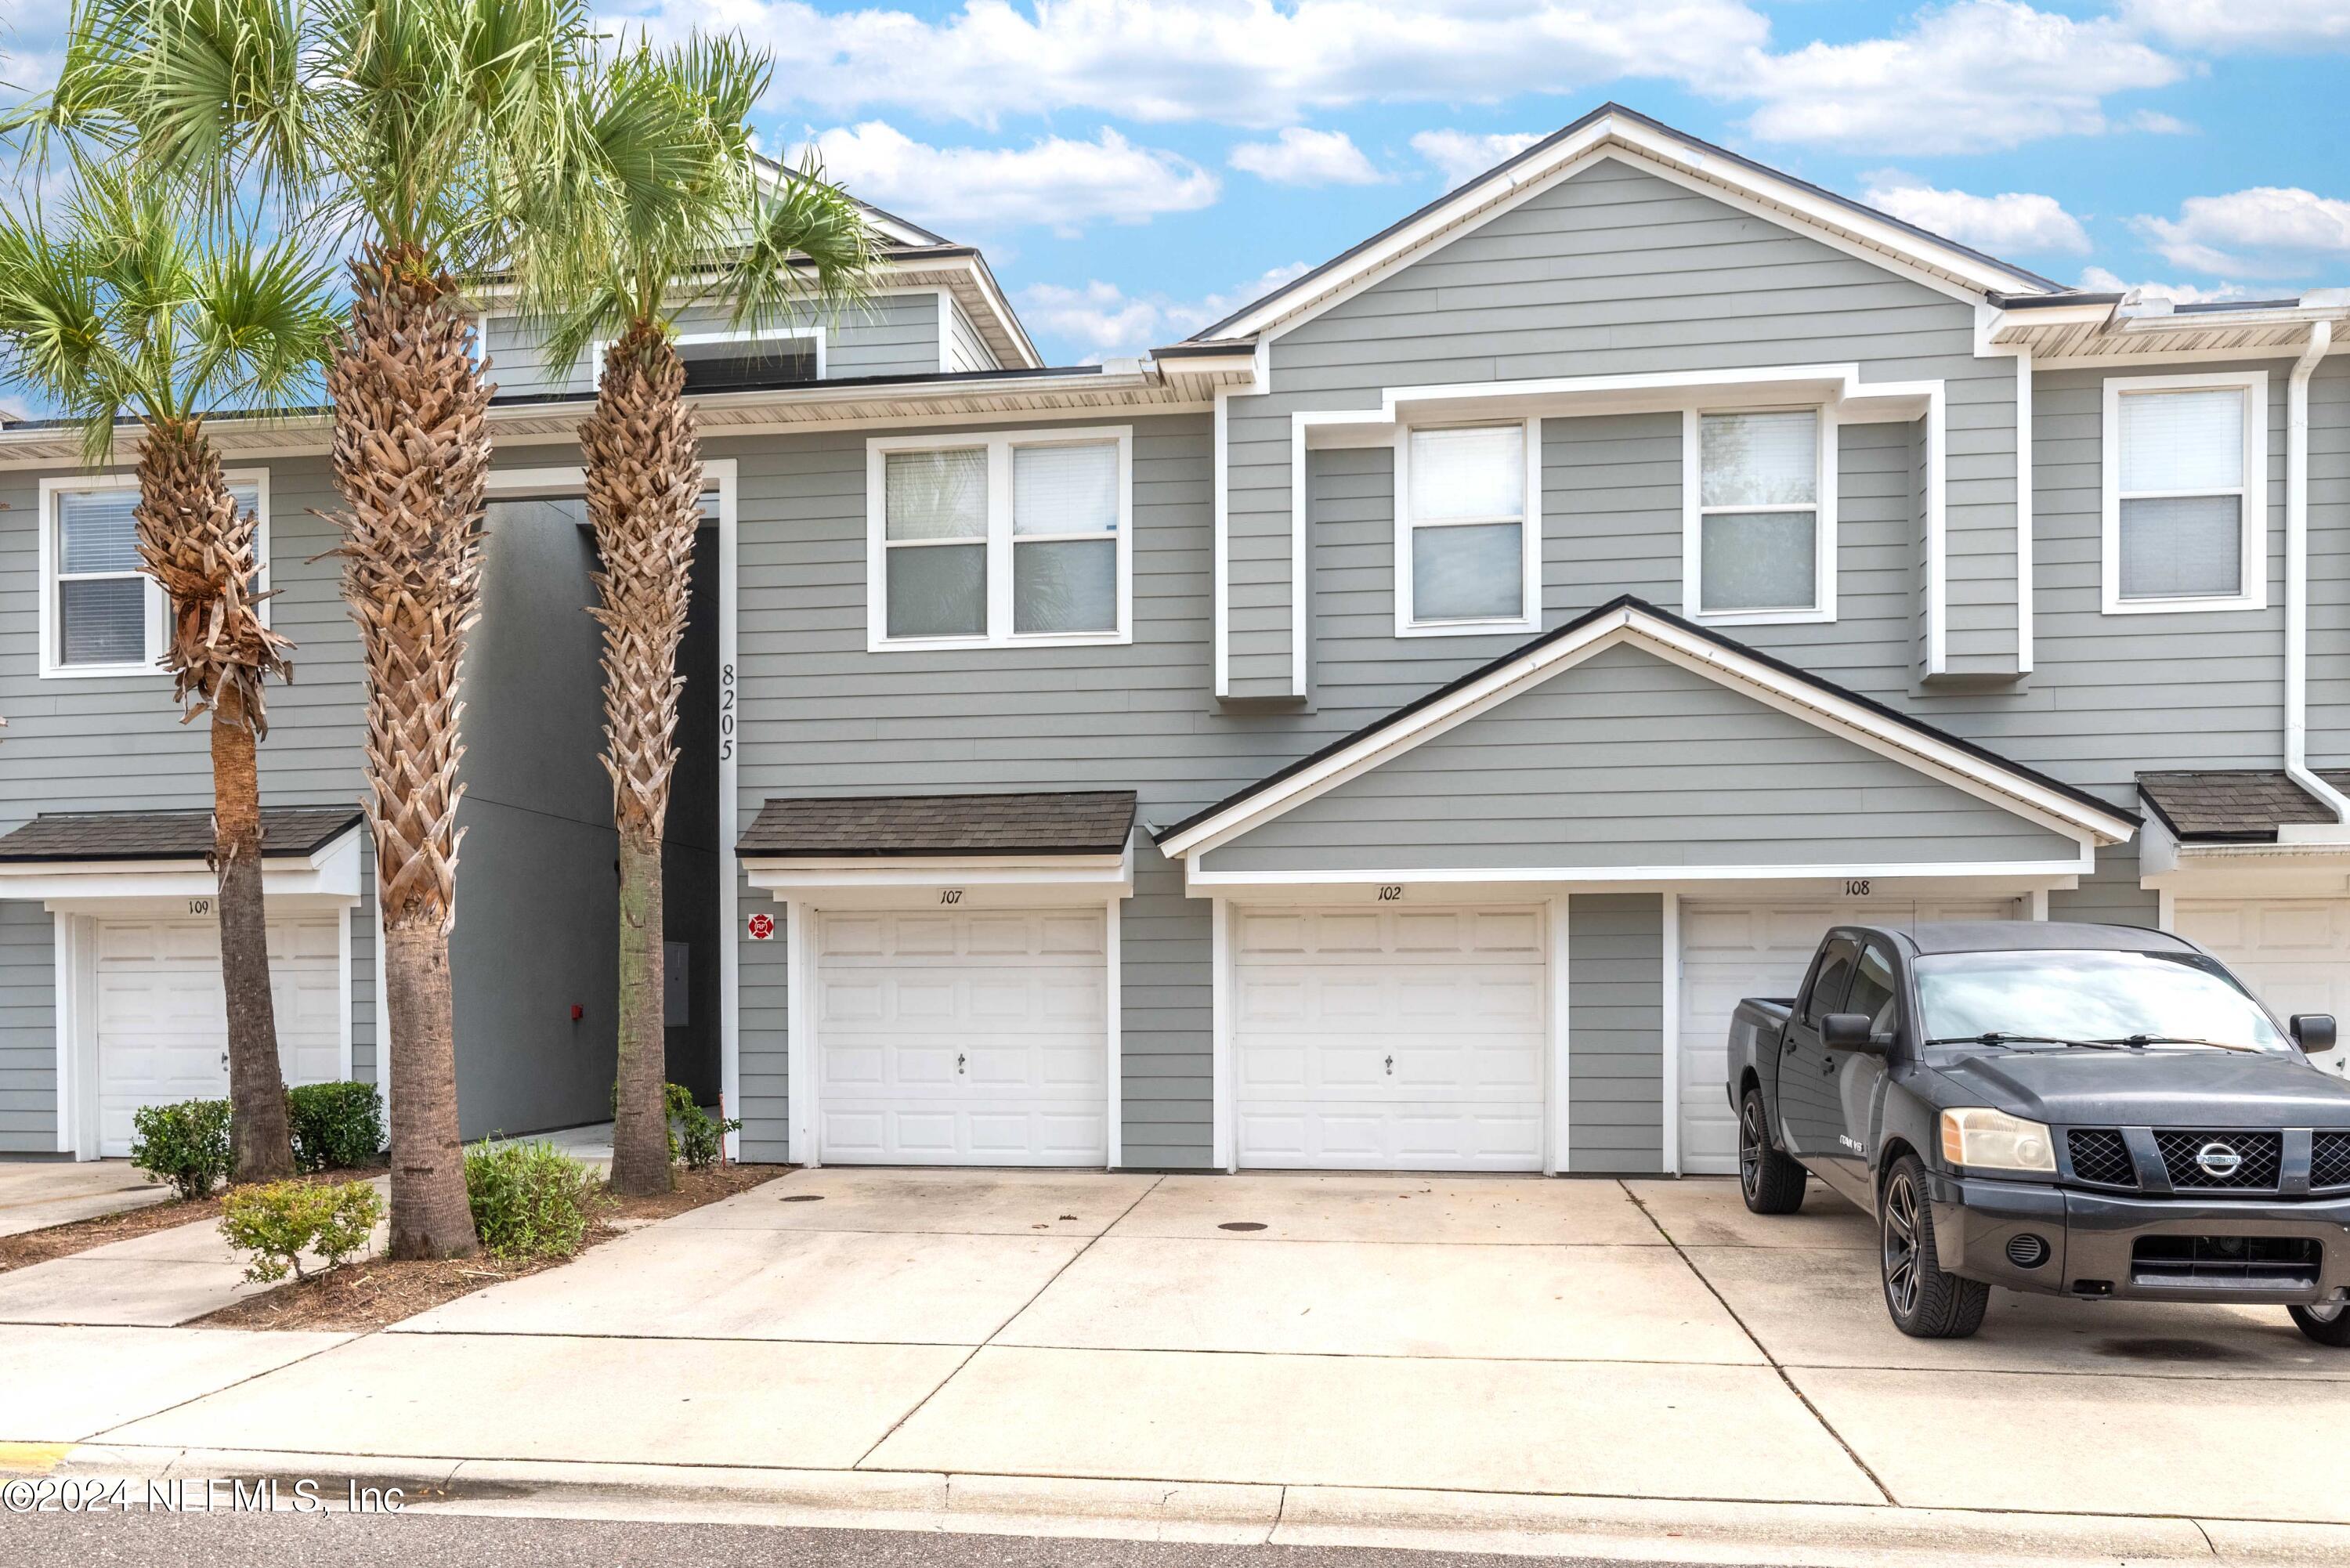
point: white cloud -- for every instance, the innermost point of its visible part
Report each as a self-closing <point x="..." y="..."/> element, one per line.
<point x="1238" y="62"/>
<point x="1056" y="182"/>
<point x="2267" y="231"/>
<point x="1106" y="322"/>
<point x="1461" y="155"/>
<point x="2099" y="280"/>
<point x="2225" y="26"/>
<point x="1302" y="157"/>
<point x="1975" y="76"/>
<point x="2013" y="222"/>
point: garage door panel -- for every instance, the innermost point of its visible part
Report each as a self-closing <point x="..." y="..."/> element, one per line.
<point x="2295" y="953"/>
<point x="978" y="1037"/>
<point x="1397" y="1039"/>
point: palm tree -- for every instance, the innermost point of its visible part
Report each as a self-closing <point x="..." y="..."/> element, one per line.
<point x="409" y="125"/>
<point x="664" y="207"/>
<point x="140" y="307"/>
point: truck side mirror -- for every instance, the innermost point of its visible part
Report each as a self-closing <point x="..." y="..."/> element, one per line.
<point x="1850" y="1032"/>
<point x="2313" y="1032"/>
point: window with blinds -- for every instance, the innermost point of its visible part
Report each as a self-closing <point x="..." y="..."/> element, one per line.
<point x="2180" y="496"/>
<point x="1758" y="546"/>
<point x="104" y="613"/>
<point x="1004" y="539"/>
<point x="1464" y="561"/>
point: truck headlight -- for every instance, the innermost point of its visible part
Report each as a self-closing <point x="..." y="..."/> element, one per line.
<point x="1983" y="1139"/>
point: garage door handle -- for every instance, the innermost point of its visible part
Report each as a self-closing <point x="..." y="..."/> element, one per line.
<point x="959" y="1061"/>
<point x="1391" y="1066"/>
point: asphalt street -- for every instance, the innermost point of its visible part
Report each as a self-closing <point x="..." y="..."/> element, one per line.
<point x="287" y="1540"/>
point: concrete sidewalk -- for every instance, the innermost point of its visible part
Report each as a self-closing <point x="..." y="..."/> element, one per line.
<point x="35" y="1194"/>
<point x="1560" y="1361"/>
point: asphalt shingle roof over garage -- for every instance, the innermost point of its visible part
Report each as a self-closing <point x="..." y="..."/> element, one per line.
<point x="1076" y="822"/>
<point x="168" y="834"/>
<point x="2232" y="806"/>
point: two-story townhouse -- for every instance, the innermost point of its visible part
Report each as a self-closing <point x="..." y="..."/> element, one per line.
<point x="1391" y="728"/>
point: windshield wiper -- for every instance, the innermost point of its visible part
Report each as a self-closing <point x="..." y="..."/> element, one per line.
<point x="1999" y="1037"/>
<point x="2141" y="1041"/>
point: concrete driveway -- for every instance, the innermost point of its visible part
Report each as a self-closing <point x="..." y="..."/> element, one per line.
<point x="1641" y="1339"/>
<point x="35" y="1194"/>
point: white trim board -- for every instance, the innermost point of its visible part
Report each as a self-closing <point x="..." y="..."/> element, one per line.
<point x="2252" y="580"/>
<point x="1951" y="764"/>
<point x="1654" y="149"/>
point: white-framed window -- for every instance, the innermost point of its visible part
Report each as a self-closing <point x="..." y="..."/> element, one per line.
<point x="1007" y="539"/>
<point x="1468" y="544"/>
<point x="100" y="614"/>
<point x="1758" y="515"/>
<point x="734" y="362"/>
<point x="2186" y="493"/>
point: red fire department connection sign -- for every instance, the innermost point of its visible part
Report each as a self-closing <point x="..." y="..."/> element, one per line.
<point x="762" y="927"/>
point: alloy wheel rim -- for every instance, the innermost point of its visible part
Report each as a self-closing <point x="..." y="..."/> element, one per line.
<point x="1901" y="1280"/>
<point x="1750" y="1148"/>
<point x="2325" y="1311"/>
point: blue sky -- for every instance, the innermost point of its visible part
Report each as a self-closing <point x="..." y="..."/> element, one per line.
<point x="1135" y="167"/>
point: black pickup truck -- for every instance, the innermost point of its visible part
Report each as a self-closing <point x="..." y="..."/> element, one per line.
<point x="2092" y="1111"/>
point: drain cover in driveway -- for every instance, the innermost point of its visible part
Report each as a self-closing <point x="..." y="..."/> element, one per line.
<point x="1241" y="1225"/>
<point x="801" y="1197"/>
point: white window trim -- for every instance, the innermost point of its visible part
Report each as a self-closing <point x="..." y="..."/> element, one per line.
<point x="999" y="446"/>
<point x="812" y="334"/>
<point x="1530" y="532"/>
<point x="52" y="666"/>
<point x="1822" y="607"/>
<point x="2254" y="386"/>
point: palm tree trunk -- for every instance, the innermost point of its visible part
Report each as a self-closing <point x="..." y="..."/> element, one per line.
<point x="411" y="457"/>
<point x="644" y="499"/>
<point x="261" y="1140"/>
<point x="199" y="549"/>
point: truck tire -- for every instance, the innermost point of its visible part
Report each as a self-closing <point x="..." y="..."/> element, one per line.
<point x="1772" y="1183"/>
<point x="2328" y="1323"/>
<point x="1925" y="1302"/>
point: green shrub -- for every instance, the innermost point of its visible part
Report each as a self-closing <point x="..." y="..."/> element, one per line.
<point x="279" y="1221"/>
<point x="185" y="1145"/>
<point x="336" y="1126"/>
<point x="529" y="1200"/>
<point x="693" y="1135"/>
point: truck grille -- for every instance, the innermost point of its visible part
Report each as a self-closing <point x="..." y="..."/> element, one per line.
<point x="2100" y="1158"/>
<point x="2329" y="1159"/>
<point x="2259" y="1156"/>
<point x="2229" y="1263"/>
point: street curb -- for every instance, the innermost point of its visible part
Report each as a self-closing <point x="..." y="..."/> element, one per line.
<point x="1638" y="1530"/>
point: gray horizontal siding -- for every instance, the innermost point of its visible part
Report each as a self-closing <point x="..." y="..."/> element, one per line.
<point x="1627" y="761"/>
<point x="1615" y="1031"/>
<point x="28" y="1029"/>
<point x="966" y="349"/>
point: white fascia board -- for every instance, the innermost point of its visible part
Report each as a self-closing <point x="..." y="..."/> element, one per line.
<point x="1949" y="764"/>
<point x="2049" y="873"/>
<point x="328" y="876"/>
<point x="798" y="877"/>
<point x="1945" y="269"/>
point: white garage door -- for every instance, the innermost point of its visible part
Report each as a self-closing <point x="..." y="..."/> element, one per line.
<point x="2294" y="952"/>
<point x="962" y="1038"/>
<point x="1733" y="950"/>
<point x="1389" y="1039"/>
<point x="162" y="1018"/>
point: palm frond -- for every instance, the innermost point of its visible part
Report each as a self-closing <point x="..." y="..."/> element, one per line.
<point x="814" y="247"/>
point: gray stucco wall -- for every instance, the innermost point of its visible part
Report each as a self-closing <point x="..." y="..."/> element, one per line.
<point x="1617" y="271"/>
<point x="1625" y="760"/>
<point x="28" y="1029"/>
<point x="1615" y="1023"/>
<point x="537" y="905"/>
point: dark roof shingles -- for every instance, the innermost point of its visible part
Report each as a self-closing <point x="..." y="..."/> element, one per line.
<point x="167" y="835"/>
<point x="2242" y="805"/>
<point x="1087" y="822"/>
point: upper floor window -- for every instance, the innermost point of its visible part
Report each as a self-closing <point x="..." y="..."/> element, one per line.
<point x="1001" y="539"/>
<point x="735" y="361"/>
<point x="100" y="613"/>
<point x="2185" y="497"/>
<point x="1759" y="536"/>
<point x="1468" y="545"/>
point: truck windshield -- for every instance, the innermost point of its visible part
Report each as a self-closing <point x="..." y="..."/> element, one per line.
<point x="2107" y="997"/>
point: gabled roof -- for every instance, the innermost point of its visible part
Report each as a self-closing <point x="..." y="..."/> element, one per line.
<point x="1627" y="618"/>
<point x="1615" y="129"/>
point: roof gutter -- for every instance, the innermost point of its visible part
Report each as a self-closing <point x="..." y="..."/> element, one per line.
<point x="2296" y="604"/>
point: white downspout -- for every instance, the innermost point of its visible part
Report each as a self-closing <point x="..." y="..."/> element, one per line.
<point x="2296" y="603"/>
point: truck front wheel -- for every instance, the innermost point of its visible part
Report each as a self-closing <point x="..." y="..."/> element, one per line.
<point x="1772" y="1183"/>
<point x="1926" y="1303"/>
<point x="2327" y="1323"/>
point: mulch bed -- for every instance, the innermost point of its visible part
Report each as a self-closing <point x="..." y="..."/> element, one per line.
<point x="30" y="1247"/>
<point x="371" y="1294"/>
